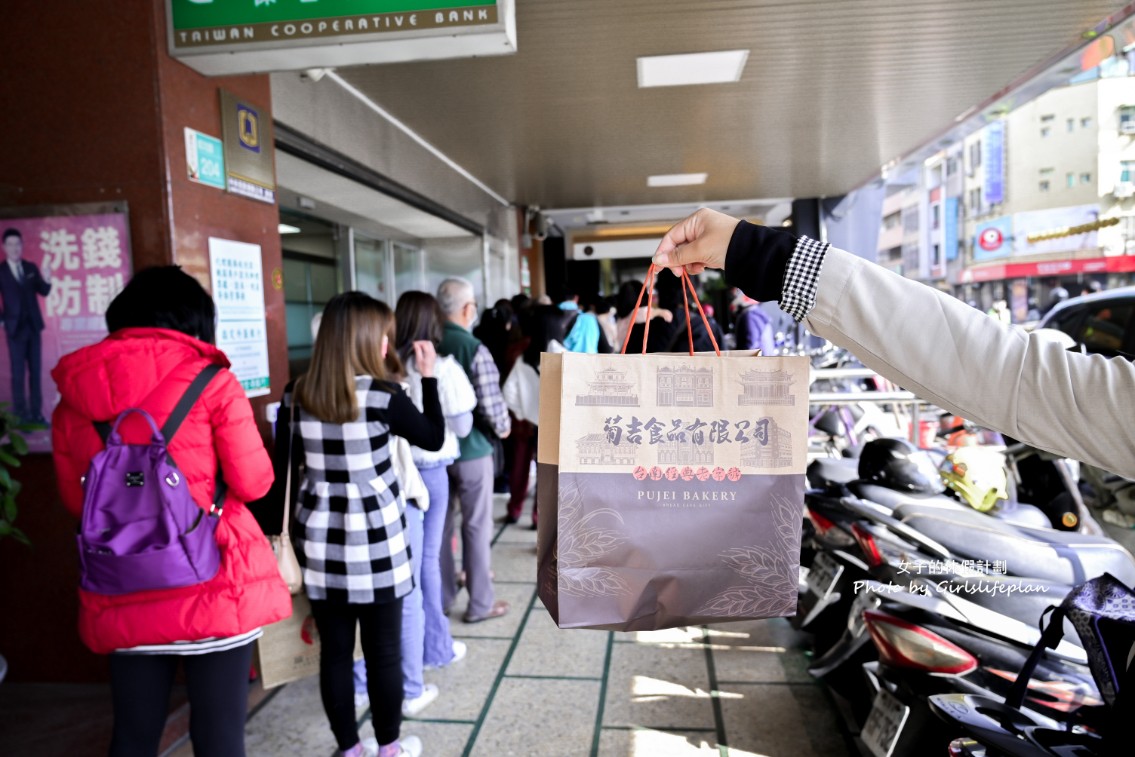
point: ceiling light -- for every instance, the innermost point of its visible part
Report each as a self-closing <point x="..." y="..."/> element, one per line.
<point x="286" y="229"/>
<point x="676" y="179"/>
<point x="691" y="68"/>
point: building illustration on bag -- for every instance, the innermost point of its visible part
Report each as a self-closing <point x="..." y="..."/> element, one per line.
<point x="684" y="452"/>
<point x="596" y="449"/>
<point x="609" y="389"/>
<point x="685" y="387"/>
<point x="766" y="388"/>
<point x="769" y="447"/>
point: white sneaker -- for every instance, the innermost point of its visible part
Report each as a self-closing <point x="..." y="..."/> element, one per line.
<point x="459" y="650"/>
<point x="409" y="746"/>
<point x="411" y="707"/>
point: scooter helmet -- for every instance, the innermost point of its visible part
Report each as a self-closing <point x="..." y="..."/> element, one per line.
<point x="977" y="475"/>
<point x="898" y="464"/>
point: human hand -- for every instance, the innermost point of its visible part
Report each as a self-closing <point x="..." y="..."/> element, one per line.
<point x="697" y="243"/>
<point x="424" y="358"/>
<point x="45" y="272"/>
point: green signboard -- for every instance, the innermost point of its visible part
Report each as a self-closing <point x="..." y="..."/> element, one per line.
<point x="212" y="23"/>
<point x="220" y="37"/>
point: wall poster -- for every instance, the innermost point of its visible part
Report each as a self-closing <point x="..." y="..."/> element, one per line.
<point x="62" y="266"/>
<point x="238" y="290"/>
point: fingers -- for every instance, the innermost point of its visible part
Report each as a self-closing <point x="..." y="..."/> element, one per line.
<point x="696" y="243"/>
<point x="424" y="357"/>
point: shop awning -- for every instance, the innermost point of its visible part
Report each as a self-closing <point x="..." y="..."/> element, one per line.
<point x="1001" y="271"/>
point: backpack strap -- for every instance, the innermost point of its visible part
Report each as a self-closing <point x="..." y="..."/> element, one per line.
<point x="180" y="410"/>
<point x="183" y="406"/>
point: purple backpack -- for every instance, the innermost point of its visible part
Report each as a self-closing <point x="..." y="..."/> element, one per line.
<point x="141" y="529"/>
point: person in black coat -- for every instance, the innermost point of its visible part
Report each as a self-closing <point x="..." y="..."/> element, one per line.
<point x="671" y="336"/>
<point x="20" y="283"/>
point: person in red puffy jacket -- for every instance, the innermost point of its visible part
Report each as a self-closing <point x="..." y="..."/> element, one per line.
<point x="161" y="336"/>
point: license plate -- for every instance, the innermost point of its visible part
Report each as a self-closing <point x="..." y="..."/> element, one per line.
<point x="823" y="575"/>
<point x="884" y="725"/>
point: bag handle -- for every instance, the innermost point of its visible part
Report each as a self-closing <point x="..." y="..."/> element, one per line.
<point x="288" y="476"/>
<point x="648" y="288"/>
<point x="1049" y="639"/>
<point x="173" y="422"/>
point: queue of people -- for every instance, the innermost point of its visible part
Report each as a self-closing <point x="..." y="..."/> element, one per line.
<point x="387" y="435"/>
<point x="398" y="429"/>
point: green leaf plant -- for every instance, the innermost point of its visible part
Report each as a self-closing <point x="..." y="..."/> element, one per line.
<point x="13" y="446"/>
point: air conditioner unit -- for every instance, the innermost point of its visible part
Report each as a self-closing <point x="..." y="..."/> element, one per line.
<point x="1127" y="127"/>
<point x="1123" y="190"/>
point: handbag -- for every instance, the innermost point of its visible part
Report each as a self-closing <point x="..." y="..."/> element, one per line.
<point x="670" y="486"/>
<point x="286" y="560"/>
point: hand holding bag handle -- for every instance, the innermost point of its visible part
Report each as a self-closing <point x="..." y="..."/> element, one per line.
<point x="282" y="545"/>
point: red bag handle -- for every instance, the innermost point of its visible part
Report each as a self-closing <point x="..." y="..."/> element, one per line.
<point x="648" y="288"/>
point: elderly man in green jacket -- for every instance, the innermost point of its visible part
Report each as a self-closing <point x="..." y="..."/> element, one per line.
<point x="471" y="476"/>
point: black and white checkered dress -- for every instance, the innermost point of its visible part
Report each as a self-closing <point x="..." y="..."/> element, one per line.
<point x="350" y="526"/>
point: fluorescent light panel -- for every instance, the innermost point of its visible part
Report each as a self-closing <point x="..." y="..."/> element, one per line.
<point x="676" y="179"/>
<point x="691" y="68"/>
<point x="288" y="229"/>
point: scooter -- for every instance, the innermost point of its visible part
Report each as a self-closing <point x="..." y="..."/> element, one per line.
<point x="966" y="636"/>
<point x="1103" y="614"/>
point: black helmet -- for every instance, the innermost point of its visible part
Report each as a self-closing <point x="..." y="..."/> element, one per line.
<point x="898" y="464"/>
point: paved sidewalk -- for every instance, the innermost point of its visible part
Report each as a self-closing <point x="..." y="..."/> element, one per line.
<point x="528" y="688"/>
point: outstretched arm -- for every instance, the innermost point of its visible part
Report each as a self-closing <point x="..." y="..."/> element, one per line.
<point x="926" y="341"/>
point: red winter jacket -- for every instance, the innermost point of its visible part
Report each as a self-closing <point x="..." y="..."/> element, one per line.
<point x="151" y="368"/>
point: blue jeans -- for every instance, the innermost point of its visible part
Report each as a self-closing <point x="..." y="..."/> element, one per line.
<point x="425" y="628"/>
<point x="413" y="618"/>
<point x="413" y="621"/>
<point x="438" y="648"/>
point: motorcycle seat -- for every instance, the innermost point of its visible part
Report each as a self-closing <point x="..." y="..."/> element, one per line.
<point x="1059" y="556"/>
<point x="827" y="472"/>
<point x="891" y="498"/>
<point x="1021" y="598"/>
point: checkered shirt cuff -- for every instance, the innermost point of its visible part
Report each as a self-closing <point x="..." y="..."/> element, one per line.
<point x="801" y="276"/>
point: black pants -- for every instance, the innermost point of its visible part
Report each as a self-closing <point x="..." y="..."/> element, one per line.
<point x="24" y="358"/>
<point x="218" y="701"/>
<point x="380" y="626"/>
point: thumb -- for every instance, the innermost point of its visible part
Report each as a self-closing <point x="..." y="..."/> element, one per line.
<point x="679" y="248"/>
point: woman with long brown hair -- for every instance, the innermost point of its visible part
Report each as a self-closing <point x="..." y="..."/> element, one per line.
<point x="428" y="643"/>
<point x="350" y="520"/>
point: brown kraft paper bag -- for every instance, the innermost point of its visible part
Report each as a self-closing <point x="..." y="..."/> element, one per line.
<point x="671" y="488"/>
<point x="289" y="649"/>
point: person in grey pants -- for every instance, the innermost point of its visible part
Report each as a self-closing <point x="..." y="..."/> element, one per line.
<point x="471" y="476"/>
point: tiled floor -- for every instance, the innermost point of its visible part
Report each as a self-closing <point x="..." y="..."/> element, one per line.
<point x="528" y="688"/>
<point x="525" y="688"/>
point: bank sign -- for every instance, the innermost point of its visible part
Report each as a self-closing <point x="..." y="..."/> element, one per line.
<point x="245" y="36"/>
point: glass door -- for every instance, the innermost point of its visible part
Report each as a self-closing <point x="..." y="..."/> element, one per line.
<point x="409" y="269"/>
<point x="372" y="268"/>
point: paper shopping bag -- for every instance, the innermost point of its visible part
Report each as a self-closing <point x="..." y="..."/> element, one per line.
<point x="289" y="650"/>
<point x="671" y="488"/>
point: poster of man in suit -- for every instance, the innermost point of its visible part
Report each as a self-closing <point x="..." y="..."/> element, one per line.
<point x="21" y="285"/>
<point x="57" y="278"/>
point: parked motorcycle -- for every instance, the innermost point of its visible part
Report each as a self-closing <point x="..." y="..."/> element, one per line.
<point x="1102" y="612"/>
<point x="966" y="635"/>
